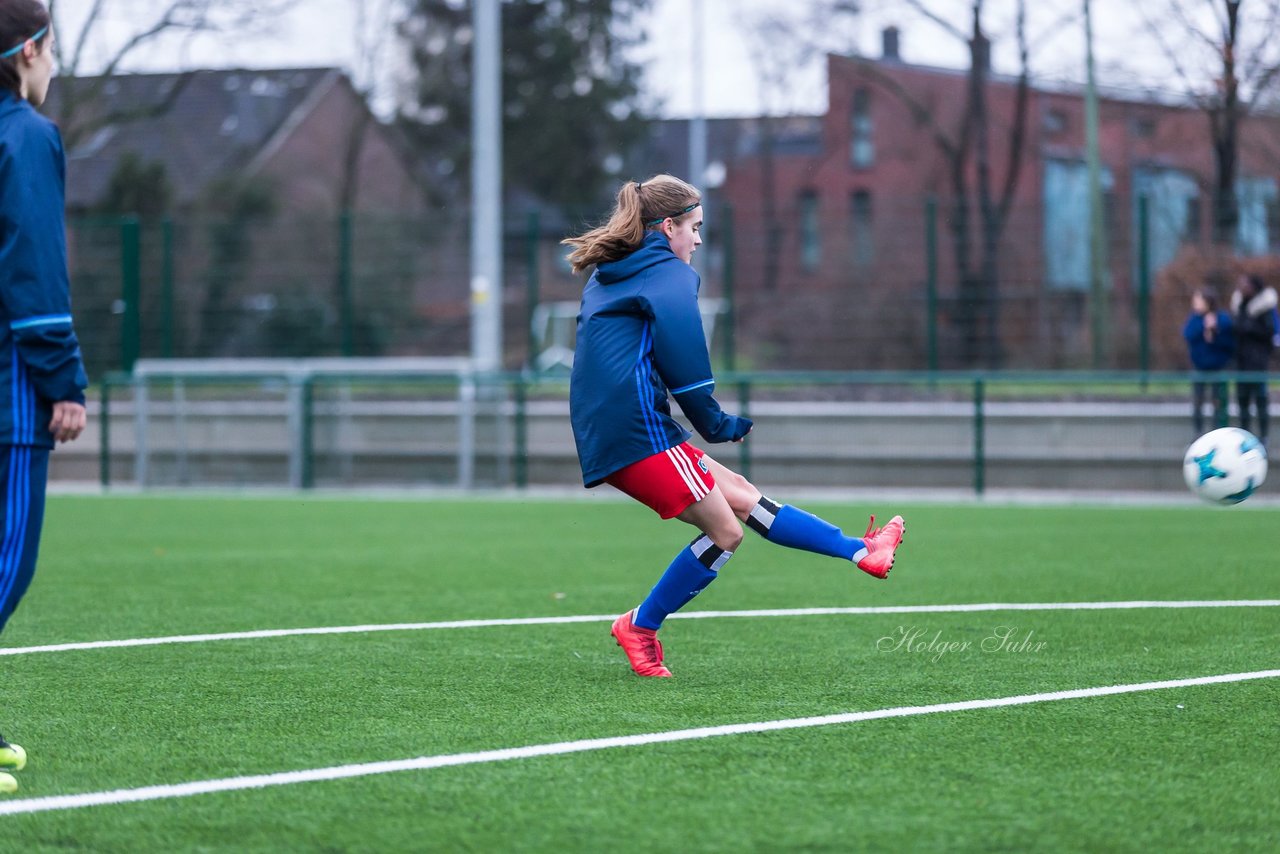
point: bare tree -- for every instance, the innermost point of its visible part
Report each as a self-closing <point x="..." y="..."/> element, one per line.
<point x="80" y="89"/>
<point x="975" y="197"/>
<point x="783" y="41"/>
<point x="373" y="27"/>
<point x="1227" y="62"/>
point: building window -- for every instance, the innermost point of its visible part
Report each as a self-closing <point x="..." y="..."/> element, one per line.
<point x="1055" y="122"/>
<point x="861" y="240"/>
<point x="862" y="147"/>
<point x="1066" y="222"/>
<point x="1173" y="212"/>
<point x="1143" y="127"/>
<point x="810" y="235"/>
<point x="1256" y="198"/>
<point x="1273" y="223"/>
<point x="1191" y="230"/>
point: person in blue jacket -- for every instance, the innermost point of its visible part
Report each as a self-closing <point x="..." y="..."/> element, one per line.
<point x="640" y="341"/>
<point x="1211" y="347"/>
<point x="42" y="377"/>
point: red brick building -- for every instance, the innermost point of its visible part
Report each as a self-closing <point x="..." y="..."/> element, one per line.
<point x="289" y="129"/>
<point x="831" y="260"/>
<point x="244" y="251"/>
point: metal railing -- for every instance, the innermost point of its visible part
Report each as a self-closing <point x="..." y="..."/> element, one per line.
<point x="346" y="422"/>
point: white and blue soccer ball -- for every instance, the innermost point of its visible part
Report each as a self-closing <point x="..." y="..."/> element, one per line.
<point x="1225" y="466"/>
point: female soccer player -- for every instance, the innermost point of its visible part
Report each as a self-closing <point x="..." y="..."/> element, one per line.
<point x="42" y="378"/>
<point x="639" y="338"/>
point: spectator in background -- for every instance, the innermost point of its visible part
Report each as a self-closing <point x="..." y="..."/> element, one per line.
<point x="1255" y="329"/>
<point x="1211" y="346"/>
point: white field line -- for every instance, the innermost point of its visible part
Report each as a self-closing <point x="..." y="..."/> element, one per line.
<point x="340" y="772"/>
<point x="607" y="618"/>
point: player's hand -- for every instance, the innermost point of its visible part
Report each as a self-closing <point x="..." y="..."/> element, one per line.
<point x="744" y="436"/>
<point x="68" y="420"/>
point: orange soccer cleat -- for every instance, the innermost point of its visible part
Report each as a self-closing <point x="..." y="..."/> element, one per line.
<point x="642" y="647"/>
<point x="881" y="544"/>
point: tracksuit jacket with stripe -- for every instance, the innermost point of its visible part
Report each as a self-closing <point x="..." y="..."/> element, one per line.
<point x="640" y="335"/>
<point x="40" y="360"/>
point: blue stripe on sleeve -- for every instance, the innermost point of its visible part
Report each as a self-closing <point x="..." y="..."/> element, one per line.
<point x="29" y="404"/>
<point x="645" y="393"/>
<point x="692" y="386"/>
<point x="16" y="397"/>
<point x="44" y="320"/>
<point x="24" y="407"/>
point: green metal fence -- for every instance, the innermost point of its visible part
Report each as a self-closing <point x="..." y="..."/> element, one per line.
<point x="891" y="292"/>
<point x="959" y="431"/>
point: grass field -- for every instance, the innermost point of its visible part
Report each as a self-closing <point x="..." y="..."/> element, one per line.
<point x="1184" y="768"/>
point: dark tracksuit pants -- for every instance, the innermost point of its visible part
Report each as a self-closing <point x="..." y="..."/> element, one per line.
<point x="24" y="471"/>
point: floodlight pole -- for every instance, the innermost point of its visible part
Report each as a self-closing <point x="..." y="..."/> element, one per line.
<point x="1098" y="308"/>
<point x="698" y="121"/>
<point x="486" y="186"/>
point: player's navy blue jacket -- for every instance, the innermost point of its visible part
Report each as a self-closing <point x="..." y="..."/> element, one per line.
<point x="640" y="334"/>
<point x="1209" y="355"/>
<point x="40" y="360"/>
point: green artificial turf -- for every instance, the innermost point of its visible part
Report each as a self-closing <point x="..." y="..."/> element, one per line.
<point x="1180" y="769"/>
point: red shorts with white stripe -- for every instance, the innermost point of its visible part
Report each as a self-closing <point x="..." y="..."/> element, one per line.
<point x="668" y="483"/>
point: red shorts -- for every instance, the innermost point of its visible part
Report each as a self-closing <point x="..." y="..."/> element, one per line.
<point x="668" y="483"/>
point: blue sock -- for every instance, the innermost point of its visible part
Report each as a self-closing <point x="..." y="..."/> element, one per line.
<point x="794" y="528"/>
<point x="693" y="569"/>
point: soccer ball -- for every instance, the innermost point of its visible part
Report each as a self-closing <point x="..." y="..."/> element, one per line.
<point x="1225" y="466"/>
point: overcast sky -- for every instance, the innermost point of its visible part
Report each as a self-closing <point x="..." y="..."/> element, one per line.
<point x="323" y="32"/>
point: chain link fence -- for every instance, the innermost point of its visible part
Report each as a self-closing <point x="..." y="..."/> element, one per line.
<point x="874" y="284"/>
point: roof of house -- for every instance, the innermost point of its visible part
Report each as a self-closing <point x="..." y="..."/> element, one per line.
<point x="666" y="146"/>
<point x="201" y="125"/>
<point x="1129" y="95"/>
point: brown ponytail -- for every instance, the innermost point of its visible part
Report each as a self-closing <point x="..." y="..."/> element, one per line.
<point x="638" y="208"/>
